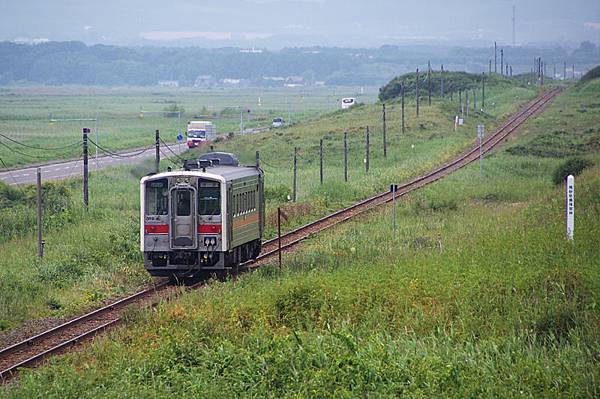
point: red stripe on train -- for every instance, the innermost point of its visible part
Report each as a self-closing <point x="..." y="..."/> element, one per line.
<point x="156" y="229"/>
<point x="209" y="228"/>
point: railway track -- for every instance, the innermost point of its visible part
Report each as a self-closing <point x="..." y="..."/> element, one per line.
<point x="294" y="237"/>
<point x="33" y="350"/>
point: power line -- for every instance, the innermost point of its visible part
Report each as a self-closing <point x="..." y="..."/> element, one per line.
<point x="12" y="177"/>
<point x="169" y="148"/>
<point x="115" y="154"/>
<point x="41" y="148"/>
<point x="19" y="152"/>
<point x="168" y="158"/>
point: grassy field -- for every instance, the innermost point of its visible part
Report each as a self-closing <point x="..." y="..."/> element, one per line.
<point x="25" y="114"/>
<point x="477" y="294"/>
<point x="89" y="257"/>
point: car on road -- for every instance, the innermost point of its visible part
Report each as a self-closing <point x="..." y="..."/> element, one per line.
<point x="277" y="122"/>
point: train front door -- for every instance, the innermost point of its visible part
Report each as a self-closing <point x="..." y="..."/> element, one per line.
<point x="183" y="217"/>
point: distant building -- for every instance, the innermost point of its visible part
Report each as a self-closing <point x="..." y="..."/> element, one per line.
<point x="168" y="83"/>
<point x="231" y="82"/>
<point x="251" y="50"/>
<point x="205" y="81"/>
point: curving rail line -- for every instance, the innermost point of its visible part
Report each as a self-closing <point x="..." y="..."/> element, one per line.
<point x="31" y="351"/>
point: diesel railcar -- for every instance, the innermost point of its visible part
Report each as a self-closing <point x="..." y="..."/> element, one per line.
<point x="207" y="218"/>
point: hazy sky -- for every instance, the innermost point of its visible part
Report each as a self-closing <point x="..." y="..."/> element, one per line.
<point x="277" y="23"/>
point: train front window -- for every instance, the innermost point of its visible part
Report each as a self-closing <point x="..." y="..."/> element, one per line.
<point x="157" y="197"/>
<point x="183" y="200"/>
<point x="209" y="198"/>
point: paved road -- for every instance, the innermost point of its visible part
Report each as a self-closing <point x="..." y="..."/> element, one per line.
<point x="65" y="169"/>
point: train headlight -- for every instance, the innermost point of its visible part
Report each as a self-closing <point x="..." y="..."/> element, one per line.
<point x="213" y="241"/>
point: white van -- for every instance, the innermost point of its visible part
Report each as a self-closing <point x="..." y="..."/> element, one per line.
<point x="348" y="102"/>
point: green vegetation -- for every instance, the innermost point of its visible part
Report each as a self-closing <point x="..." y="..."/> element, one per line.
<point x="74" y="63"/>
<point x="128" y="117"/>
<point x="106" y="239"/>
<point x="478" y="294"/>
<point x="572" y="166"/>
<point x="592" y="74"/>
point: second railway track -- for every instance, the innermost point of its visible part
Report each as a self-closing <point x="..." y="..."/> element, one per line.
<point x="31" y="351"/>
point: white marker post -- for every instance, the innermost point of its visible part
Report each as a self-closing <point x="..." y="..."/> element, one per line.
<point x="480" y="131"/>
<point x="570" y="206"/>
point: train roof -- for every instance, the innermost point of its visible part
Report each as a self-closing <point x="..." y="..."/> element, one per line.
<point x="220" y="173"/>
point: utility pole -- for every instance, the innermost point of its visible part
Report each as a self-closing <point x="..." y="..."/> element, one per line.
<point x="417" y="92"/>
<point x="295" y="163"/>
<point x="279" y="236"/>
<point x="495" y="58"/>
<point x="573" y="71"/>
<point x="39" y="214"/>
<point x="321" y="160"/>
<point x="480" y="129"/>
<point x="384" y="133"/>
<point x="257" y="159"/>
<point x="467" y="103"/>
<point x="367" y="150"/>
<point x="474" y="101"/>
<point x="483" y="90"/>
<point x="429" y="82"/>
<point x="565" y="71"/>
<point x="460" y="103"/>
<point x="442" y="81"/>
<point x="86" y="131"/>
<point x="346" y="156"/>
<point x="157" y="151"/>
<point x="402" y="94"/>
<point x="501" y="61"/>
<point x="490" y="69"/>
<point x="394" y="188"/>
<point x="514" y="29"/>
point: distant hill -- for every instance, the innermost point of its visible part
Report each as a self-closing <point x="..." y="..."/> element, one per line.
<point x="74" y="63"/>
<point x="453" y="82"/>
<point x="593" y="73"/>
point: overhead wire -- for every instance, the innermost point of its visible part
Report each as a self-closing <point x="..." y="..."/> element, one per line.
<point x="168" y="158"/>
<point x="20" y="152"/>
<point x="115" y="154"/>
<point x="172" y="152"/>
<point x="41" y="148"/>
<point x="12" y="177"/>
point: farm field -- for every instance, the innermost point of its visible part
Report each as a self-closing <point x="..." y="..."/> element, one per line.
<point x="90" y="257"/>
<point x="476" y="294"/>
<point x="25" y="115"/>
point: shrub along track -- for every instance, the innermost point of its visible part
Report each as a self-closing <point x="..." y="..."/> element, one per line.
<point x="31" y="351"/>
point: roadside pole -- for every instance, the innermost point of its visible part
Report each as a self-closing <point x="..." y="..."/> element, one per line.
<point x="321" y="160"/>
<point x="393" y="189"/>
<point x="570" y="204"/>
<point x="480" y="132"/>
<point x="279" y="236"/>
<point x="367" y="150"/>
<point x="39" y="214"/>
<point x="86" y="131"/>
<point x="157" y="155"/>
<point x="295" y="174"/>
<point x="345" y="156"/>
<point x="402" y="91"/>
<point x="384" y="133"/>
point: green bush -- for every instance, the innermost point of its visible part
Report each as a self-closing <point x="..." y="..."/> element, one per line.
<point x="572" y="166"/>
<point x="277" y="193"/>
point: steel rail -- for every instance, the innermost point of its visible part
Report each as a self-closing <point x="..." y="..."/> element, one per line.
<point x="468" y="156"/>
<point x="66" y="326"/>
<point x="303" y="232"/>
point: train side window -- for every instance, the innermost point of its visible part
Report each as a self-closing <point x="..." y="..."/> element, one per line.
<point x="157" y="197"/>
<point x="209" y="201"/>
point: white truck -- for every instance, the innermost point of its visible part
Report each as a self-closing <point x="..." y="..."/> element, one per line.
<point x="199" y="132"/>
